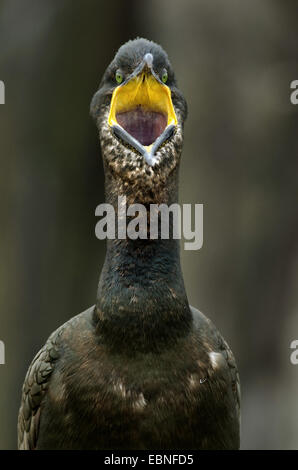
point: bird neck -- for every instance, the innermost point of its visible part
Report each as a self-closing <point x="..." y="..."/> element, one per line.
<point x="141" y="297"/>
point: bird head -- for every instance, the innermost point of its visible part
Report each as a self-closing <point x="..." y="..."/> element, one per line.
<point x="140" y="112"/>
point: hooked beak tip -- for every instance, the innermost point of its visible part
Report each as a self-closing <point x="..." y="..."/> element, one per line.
<point x="148" y="59"/>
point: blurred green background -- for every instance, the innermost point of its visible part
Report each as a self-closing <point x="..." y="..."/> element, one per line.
<point x="234" y="62"/>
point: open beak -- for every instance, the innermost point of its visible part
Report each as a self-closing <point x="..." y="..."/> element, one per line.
<point x="142" y="112"/>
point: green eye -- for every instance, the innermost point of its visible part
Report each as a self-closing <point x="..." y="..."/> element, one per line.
<point x="164" y="76"/>
<point x="119" y="77"/>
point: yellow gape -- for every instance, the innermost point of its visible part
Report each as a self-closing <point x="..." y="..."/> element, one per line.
<point x="146" y="92"/>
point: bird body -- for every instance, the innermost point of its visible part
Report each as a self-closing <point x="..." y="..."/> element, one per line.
<point x="183" y="397"/>
<point x="141" y="369"/>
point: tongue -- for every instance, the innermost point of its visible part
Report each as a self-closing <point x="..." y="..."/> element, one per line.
<point x="143" y="125"/>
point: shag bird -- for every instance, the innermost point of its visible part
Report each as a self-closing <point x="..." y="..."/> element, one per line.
<point x="141" y="369"/>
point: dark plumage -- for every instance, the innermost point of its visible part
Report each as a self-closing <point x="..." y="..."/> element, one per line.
<point x="141" y="369"/>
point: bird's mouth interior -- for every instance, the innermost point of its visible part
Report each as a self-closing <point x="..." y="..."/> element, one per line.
<point x="143" y="124"/>
<point x="141" y="111"/>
